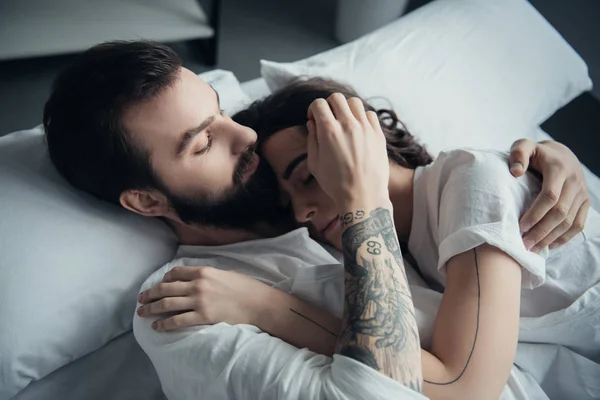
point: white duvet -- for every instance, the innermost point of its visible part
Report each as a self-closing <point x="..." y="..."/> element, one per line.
<point x="234" y="362"/>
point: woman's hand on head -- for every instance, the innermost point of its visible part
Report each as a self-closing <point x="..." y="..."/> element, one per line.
<point x="560" y="210"/>
<point x="347" y="151"/>
<point x="203" y="296"/>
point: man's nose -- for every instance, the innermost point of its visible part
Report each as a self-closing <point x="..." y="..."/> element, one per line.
<point x="241" y="137"/>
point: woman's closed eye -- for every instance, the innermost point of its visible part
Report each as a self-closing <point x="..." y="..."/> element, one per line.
<point x="308" y="180"/>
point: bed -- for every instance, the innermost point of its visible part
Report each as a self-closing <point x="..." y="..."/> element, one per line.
<point x="528" y="85"/>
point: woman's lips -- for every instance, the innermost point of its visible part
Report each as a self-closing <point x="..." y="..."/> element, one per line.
<point x="331" y="227"/>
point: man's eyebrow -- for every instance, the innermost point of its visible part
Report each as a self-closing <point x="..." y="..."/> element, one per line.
<point x="187" y="136"/>
<point x="290" y="168"/>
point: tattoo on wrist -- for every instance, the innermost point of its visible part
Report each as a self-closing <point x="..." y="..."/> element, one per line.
<point x="350" y="217"/>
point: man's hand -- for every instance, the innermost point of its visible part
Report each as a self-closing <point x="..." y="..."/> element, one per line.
<point x="203" y="296"/>
<point x="560" y="210"/>
<point x="347" y="152"/>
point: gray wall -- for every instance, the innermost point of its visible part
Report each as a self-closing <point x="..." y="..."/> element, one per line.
<point x="578" y="21"/>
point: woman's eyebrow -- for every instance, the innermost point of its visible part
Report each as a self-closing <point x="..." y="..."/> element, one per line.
<point x="292" y="165"/>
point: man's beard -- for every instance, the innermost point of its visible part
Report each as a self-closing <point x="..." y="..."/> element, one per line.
<point x="242" y="206"/>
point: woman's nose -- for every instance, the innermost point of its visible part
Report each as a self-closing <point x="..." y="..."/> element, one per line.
<point x="305" y="213"/>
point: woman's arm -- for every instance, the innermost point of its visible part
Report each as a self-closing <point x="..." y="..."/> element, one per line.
<point x="476" y="329"/>
<point x="475" y="334"/>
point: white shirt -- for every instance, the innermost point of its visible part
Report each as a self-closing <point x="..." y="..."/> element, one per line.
<point x="240" y="361"/>
<point x="467" y="198"/>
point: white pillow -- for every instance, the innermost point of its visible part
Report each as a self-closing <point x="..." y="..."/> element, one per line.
<point x="70" y="265"/>
<point x="458" y="72"/>
<point x="231" y="95"/>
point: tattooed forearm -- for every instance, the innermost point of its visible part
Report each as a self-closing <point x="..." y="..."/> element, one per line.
<point x="379" y="327"/>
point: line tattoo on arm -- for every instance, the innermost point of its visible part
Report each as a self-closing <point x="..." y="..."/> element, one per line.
<point x="379" y="327"/>
<point x="476" y="330"/>
<point x="314" y="322"/>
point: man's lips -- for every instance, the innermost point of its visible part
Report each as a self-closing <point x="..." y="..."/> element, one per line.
<point x="251" y="168"/>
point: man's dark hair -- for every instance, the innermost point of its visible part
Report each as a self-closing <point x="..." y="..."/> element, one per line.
<point x="86" y="137"/>
<point x="288" y="107"/>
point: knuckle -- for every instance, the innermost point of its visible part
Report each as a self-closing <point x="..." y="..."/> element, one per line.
<point x="336" y="97"/>
<point x="349" y="125"/>
<point x="196" y="287"/>
<point x="550" y="195"/>
<point x="539" y="234"/>
<point x="160" y="288"/>
<point x="165" y="304"/>
<point x="566" y="224"/>
<point x="199" y="273"/>
<point x="560" y="211"/>
<point x="329" y="127"/>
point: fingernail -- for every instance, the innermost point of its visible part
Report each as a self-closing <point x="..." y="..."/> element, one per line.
<point x="154" y="325"/>
<point x="535" y="249"/>
<point x="140" y="310"/>
<point x="140" y="297"/>
<point x="528" y="244"/>
<point x="516" y="166"/>
<point x="553" y="246"/>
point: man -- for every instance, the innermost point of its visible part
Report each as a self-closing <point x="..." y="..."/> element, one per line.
<point x="129" y="125"/>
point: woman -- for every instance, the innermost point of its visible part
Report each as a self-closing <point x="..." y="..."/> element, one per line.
<point x="441" y="212"/>
<point x="461" y="363"/>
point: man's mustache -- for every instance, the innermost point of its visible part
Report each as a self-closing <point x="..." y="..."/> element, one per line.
<point x="243" y="164"/>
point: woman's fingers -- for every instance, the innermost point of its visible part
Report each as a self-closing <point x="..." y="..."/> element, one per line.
<point x="576" y="227"/>
<point x="178" y="321"/>
<point x="339" y="106"/>
<point x="374" y="122"/>
<point x="521" y="152"/>
<point x="168" y="304"/>
<point x="164" y="289"/>
<point x="358" y="109"/>
<point x="320" y="112"/>
<point x="312" y="151"/>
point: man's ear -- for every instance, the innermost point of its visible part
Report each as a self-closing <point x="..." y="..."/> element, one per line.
<point x="149" y="203"/>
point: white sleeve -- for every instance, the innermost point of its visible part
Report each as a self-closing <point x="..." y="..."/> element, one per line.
<point x="481" y="202"/>
<point x="241" y="362"/>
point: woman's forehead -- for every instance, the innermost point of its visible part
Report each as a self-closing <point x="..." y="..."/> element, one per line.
<point x="284" y="145"/>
